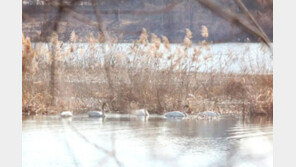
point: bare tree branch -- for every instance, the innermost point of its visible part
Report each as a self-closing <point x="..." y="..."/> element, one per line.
<point x="46" y="28"/>
<point x="233" y="18"/>
<point x="247" y="13"/>
<point x="100" y="24"/>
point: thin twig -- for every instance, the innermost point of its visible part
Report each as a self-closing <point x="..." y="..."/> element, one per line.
<point x="110" y="153"/>
<point x="246" y="12"/>
<point x="233" y="18"/>
<point x="100" y="24"/>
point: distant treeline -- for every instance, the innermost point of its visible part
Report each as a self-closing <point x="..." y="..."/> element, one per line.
<point x="126" y="18"/>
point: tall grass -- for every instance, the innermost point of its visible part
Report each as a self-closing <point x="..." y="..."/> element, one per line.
<point x="150" y="73"/>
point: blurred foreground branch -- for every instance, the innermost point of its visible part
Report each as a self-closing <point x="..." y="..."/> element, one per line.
<point x="234" y="19"/>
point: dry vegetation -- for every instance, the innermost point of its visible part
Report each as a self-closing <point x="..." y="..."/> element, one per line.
<point x="137" y="78"/>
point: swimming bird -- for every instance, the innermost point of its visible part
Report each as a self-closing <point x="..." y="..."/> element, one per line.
<point x="98" y="113"/>
<point x="178" y="114"/>
<point x="141" y="112"/>
<point x="208" y="115"/>
<point x="66" y="114"/>
<point x="175" y="114"/>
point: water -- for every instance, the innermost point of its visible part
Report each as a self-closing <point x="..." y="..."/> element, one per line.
<point x="121" y="140"/>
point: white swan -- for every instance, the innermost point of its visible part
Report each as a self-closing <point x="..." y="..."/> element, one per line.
<point x="175" y="114"/>
<point x="208" y="115"/>
<point x="141" y="112"/>
<point x="66" y="114"/>
<point x="98" y="113"/>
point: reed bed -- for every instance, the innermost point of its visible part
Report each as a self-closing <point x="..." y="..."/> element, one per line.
<point x="149" y="74"/>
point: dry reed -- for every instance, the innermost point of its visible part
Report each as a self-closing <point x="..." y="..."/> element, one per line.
<point x="137" y="78"/>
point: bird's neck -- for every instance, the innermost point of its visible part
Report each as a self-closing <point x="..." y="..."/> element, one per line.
<point x="103" y="109"/>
